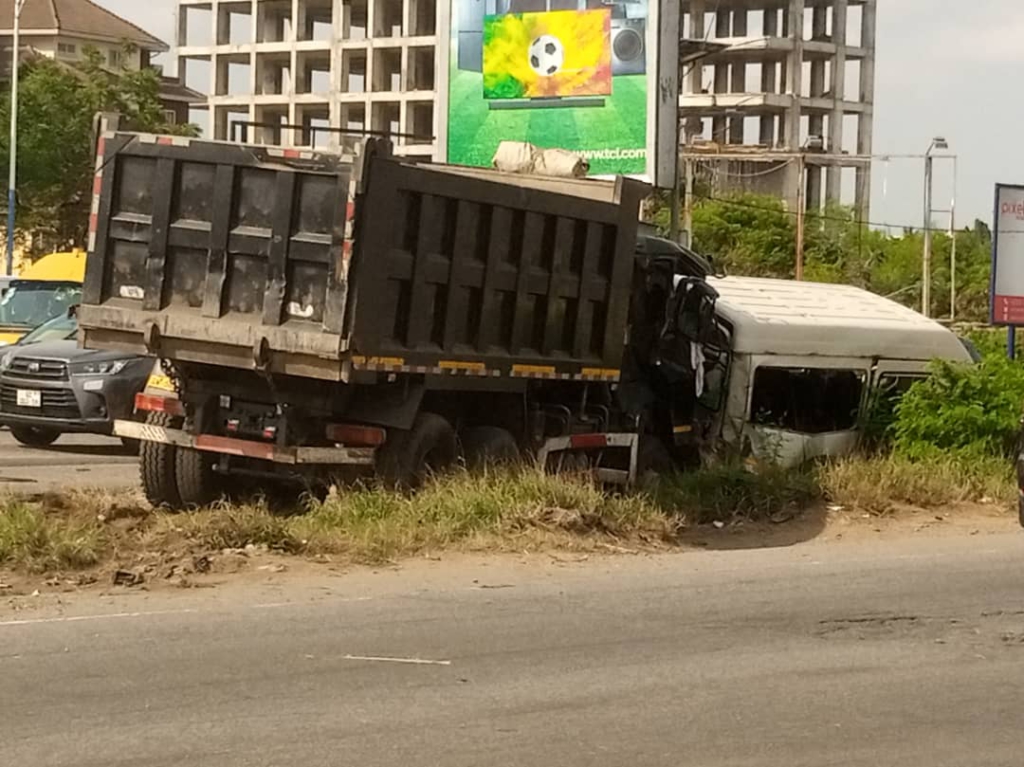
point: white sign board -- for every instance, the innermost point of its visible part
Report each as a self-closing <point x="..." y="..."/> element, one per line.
<point x="1007" y="297"/>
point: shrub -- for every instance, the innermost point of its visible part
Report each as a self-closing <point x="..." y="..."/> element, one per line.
<point x="971" y="409"/>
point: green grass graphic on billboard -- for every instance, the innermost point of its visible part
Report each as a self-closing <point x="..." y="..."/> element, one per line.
<point x="567" y="76"/>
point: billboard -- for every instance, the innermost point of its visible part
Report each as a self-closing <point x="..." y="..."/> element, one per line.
<point x="1007" y="295"/>
<point x="579" y="75"/>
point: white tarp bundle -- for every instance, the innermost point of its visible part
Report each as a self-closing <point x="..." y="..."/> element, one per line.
<point x="521" y="157"/>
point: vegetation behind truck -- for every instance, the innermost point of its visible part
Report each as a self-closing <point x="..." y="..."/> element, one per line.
<point x="323" y="316"/>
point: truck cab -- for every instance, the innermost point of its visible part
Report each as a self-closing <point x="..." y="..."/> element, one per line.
<point x="46" y="289"/>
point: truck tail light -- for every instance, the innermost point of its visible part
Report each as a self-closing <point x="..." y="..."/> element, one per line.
<point x="353" y="435"/>
<point x="148" y="403"/>
<point x="270" y="432"/>
<point x="588" y="441"/>
<point x="232" y="425"/>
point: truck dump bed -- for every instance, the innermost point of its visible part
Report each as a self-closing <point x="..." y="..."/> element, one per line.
<point x="322" y="265"/>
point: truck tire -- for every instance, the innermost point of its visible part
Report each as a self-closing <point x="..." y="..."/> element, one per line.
<point x="653" y="461"/>
<point x="409" y="457"/>
<point x="484" y="446"/>
<point x="198" y="484"/>
<point x="34" y="436"/>
<point x="157" y="466"/>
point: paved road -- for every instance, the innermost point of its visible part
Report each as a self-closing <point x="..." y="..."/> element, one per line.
<point x="73" y="461"/>
<point x="886" y="653"/>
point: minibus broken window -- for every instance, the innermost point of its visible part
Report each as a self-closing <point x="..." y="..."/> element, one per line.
<point x="807" y="400"/>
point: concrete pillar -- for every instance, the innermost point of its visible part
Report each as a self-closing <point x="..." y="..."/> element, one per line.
<point x="865" y="135"/>
<point x="790" y="127"/>
<point x="694" y="124"/>
<point x="739" y="77"/>
<point x="182" y="35"/>
<point x="221" y="80"/>
<point x="769" y="77"/>
<point x="794" y="72"/>
<point x="834" y="180"/>
<point x="816" y="121"/>
<point x="337" y="74"/>
<point x="719" y="125"/>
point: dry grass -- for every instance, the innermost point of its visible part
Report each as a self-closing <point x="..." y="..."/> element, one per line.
<point x="39" y="539"/>
<point x="880" y="484"/>
<point x="523" y="510"/>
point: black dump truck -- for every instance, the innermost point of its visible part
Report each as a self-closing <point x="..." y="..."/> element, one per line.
<point x="325" y="317"/>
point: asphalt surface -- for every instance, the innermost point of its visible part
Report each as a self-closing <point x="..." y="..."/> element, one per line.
<point x="73" y="461"/>
<point x="905" y="652"/>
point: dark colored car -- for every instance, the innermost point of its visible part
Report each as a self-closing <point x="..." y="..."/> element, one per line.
<point x="49" y="386"/>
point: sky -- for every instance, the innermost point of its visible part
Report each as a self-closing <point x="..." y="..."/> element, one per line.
<point x="944" y="68"/>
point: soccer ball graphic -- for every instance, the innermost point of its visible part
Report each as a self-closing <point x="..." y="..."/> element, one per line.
<point x="546" y="55"/>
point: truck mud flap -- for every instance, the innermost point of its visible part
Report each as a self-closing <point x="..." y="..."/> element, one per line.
<point x="243" y="448"/>
<point x="627" y="441"/>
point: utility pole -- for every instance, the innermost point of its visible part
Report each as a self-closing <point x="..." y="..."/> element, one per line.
<point x="688" y="200"/>
<point x="12" y="181"/>
<point x="801" y="214"/>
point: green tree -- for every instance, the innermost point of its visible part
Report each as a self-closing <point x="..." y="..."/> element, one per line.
<point x="57" y="107"/>
<point x="756" y="236"/>
<point x="747" y="234"/>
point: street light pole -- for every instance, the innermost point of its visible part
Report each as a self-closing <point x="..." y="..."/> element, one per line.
<point x="12" y="182"/>
<point x="952" y="247"/>
<point x="926" y="261"/>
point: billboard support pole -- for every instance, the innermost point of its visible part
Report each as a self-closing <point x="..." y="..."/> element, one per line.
<point x="1011" y="342"/>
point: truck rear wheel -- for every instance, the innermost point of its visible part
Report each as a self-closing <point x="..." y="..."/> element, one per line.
<point x="485" y="446"/>
<point x="157" y="465"/>
<point x="409" y="457"/>
<point x="197" y="481"/>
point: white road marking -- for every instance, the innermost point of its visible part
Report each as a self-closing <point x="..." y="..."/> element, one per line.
<point x="157" y="613"/>
<point x="411" y="661"/>
<point x="103" y="616"/>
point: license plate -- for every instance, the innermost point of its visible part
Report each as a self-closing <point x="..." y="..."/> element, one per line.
<point x="29" y="398"/>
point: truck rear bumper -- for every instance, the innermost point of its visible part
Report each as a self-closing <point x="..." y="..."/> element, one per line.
<point x="243" y="448"/>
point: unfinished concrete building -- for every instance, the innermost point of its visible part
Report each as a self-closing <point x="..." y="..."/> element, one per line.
<point x="798" y="76"/>
<point x="284" y="71"/>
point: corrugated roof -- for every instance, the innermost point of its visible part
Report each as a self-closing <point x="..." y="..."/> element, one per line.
<point x="796" y="318"/>
<point x="78" y="17"/>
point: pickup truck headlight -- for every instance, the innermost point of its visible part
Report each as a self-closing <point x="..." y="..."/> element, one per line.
<point x="105" y="368"/>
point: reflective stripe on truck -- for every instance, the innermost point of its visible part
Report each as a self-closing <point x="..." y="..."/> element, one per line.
<point x="209" y="443"/>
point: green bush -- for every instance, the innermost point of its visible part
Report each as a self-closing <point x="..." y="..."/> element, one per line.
<point x="971" y="409"/>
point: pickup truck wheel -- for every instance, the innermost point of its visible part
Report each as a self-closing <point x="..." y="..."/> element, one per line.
<point x="485" y="446"/>
<point x="157" y="466"/>
<point x="34" y="436"/>
<point x="198" y="484"/>
<point x="409" y="457"/>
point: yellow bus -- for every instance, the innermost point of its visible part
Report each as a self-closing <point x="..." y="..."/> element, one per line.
<point x="41" y="292"/>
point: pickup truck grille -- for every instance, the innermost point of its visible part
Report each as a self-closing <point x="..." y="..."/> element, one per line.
<point x="37" y="370"/>
<point x="56" y="403"/>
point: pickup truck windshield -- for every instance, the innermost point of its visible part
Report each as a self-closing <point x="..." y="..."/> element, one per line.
<point x="28" y="304"/>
